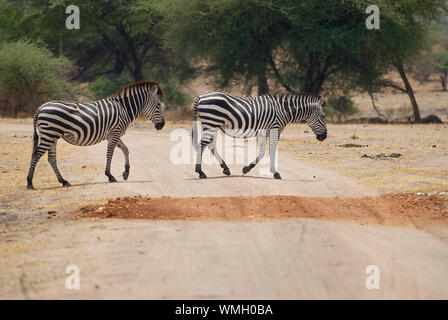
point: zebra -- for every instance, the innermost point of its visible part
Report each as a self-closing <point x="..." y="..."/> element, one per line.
<point x="245" y="117"/>
<point x="85" y="124"/>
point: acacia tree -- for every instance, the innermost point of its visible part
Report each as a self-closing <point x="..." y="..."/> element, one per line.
<point x="404" y="34"/>
<point x="335" y="45"/>
<point x="302" y="45"/>
<point x="118" y="42"/>
<point x="114" y="35"/>
<point x="236" y="38"/>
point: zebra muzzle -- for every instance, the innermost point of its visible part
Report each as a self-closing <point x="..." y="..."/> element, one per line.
<point x="322" y="136"/>
<point x="159" y="125"/>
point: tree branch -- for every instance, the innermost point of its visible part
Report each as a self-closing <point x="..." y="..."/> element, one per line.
<point x="278" y="75"/>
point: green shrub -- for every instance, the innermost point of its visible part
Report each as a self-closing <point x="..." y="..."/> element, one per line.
<point x="174" y="97"/>
<point x="441" y="63"/>
<point x="29" y="76"/>
<point x="340" y="107"/>
<point x="104" y="86"/>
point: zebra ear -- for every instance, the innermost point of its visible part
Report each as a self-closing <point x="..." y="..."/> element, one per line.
<point x="322" y="102"/>
<point x="154" y="90"/>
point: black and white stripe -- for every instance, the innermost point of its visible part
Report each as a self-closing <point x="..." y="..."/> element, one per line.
<point x="246" y="117"/>
<point x="85" y="124"/>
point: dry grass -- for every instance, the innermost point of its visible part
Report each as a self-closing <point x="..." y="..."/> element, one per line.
<point x="395" y="104"/>
<point x="420" y="168"/>
<point x="15" y="151"/>
<point x="429" y="96"/>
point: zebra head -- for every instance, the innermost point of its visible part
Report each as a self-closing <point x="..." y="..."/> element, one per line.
<point x="153" y="108"/>
<point x="316" y="120"/>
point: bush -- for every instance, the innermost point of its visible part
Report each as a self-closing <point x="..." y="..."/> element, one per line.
<point x="105" y="86"/>
<point x="341" y="107"/>
<point x="29" y="76"/>
<point x="441" y="63"/>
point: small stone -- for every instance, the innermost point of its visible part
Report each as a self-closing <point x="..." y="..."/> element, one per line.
<point x="395" y="155"/>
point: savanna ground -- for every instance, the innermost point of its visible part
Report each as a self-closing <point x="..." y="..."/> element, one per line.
<point x="368" y="195"/>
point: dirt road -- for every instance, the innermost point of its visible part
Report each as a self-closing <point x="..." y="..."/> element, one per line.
<point x="294" y="259"/>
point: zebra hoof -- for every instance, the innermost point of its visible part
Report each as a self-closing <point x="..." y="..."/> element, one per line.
<point x="226" y="171"/>
<point x="246" y="169"/>
<point x="202" y="175"/>
<point x="125" y="175"/>
<point x="277" y="175"/>
<point x="66" y="184"/>
<point x="30" y="187"/>
<point x="112" y="179"/>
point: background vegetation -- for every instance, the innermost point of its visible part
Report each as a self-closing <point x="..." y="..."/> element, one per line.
<point x="263" y="46"/>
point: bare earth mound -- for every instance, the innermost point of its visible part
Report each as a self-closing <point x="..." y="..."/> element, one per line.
<point x="396" y="209"/>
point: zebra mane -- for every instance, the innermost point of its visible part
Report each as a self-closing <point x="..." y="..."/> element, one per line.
<point x="293" y="95"/>
<point x="137" y="84"/>
<point x="289" y="96"/>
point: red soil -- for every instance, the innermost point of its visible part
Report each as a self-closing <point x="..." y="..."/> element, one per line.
<point x="395" y="209"/>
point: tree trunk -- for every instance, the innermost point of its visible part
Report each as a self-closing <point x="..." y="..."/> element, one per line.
<point x="443" y="80"/>
<point x="409" y="90"/>
<point x="137" y="74"/>
<point x="263" y="87"/>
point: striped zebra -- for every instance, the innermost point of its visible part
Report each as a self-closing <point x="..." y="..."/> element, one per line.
<point x="85" y="124"/>
<point x="246" y="117"/>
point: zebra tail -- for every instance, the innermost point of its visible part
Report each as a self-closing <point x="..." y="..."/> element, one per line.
<point x="194" y="131"/>
<point x="35" y="135"/>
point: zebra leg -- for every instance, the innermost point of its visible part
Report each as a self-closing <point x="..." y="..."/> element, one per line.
<point x="274" y="135"/>
<point x="206" y="139"/>
<point x="112" y="143"/>
<point x="212" y="147"/>
<point x="125" y="150"/>
<point x="52" y="161"/>
<point x="261" y="150"/>
<point x="38" y="152"/>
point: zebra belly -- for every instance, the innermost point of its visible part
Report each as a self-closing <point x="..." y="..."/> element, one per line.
<point x="243" y="133"/>
<point x="72" y="139"/>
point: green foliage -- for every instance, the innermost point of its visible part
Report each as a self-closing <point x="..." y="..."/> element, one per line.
<point x="341" y="107"/>
<point x="441" y="65"/>
<point x="423" y="67"/>
<point x="174" y="97"/>
<point x="30" y="75"/>
<point x="299" y="45"/>
<point x="119" y="42"/>
<point x="441" y="60"/>
<point x="104" y="86"/>
<point x="234" y="37"/>
<point x="11" y="18"/>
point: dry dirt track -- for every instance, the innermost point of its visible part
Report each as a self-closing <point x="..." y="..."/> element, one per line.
<point x="292" y="259"/>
